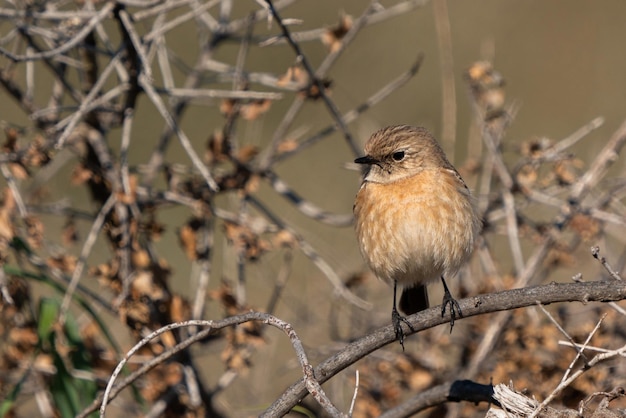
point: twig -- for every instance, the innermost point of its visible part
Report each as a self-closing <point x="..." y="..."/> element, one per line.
<point x="376" y="16"/>
<point x="306" y="248"/>
<point x="452" y="391"/>
<point x="182" y="93"/>
<point x="315" y="78"/>
<point x="356" y="392"/>
<point x="354" y="113"/>
<point x="597" y="359"/>
<point x="444" y="40"/>
<point x="306" y="207"/>
<point x="15" y="191"/>
<point x="598" y="168"/>
<point x="496" y="325"/>
<point x="182" y="137"/>
<point x="502" y="301"/>
<point x="84" y="108"/>
<point x="566" y="143"/>
<point x="579" y="353"/>
<point x="74" y="41"/>
<point x="204" y="264"/>
<point x="211" y="326"/>
<point x="160" y="30"/>
<point x="595" y="252"/>
<point x="4" y="289"/>
<point x="96" y="226"/>
<point x="281" y="280"/>
<point x="145" y="69"/>
<point x="513" y="230"/>
<point x="588" y="347"/>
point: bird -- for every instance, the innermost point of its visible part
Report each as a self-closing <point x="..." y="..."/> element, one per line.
<point x="415" y="218"/>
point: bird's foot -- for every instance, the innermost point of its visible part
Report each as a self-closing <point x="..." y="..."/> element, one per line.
<point x="455" y="308"/>
<point x="396" y="320"/>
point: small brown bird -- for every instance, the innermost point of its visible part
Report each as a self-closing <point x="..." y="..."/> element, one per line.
<point x="415" y="218"/>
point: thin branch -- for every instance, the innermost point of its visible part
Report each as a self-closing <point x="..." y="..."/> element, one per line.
<point x="315" y="78"/>
<point x="182" y="137"/>
<point x="595" y="252"/>
<point x="444" y="40"/>
<point x="211" y="326"/>
<point x="353" y="114"/>
<point x="4" y="289"/>
<point x="453" y="391"/>
<point x="306" y="207"/>
<point x="579" y="353"/>
<point x="597" y="359"/>
<point x="96" y="226"/>
<point x="600" y="165"/>
<point x="502" y="301"/>
<point x="85" y="104"/>
<point x="306" y="248"/>
<point x="74" y="41"/>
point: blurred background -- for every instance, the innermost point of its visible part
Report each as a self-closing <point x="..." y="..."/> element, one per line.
<point x="563" y="63"/>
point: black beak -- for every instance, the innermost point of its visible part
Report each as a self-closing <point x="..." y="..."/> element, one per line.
<point x="366" y="160"/>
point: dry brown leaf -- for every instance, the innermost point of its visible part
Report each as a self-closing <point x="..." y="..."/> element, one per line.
<point x="144" y="285"/>
<point x="81" y="175"/>
<point x="217" y="148"/>
<point x="245" y="241"/>
<point x="19" y="171"/>
<point x="45" y="363"/>
<point x="168" y="340"/>
<point x="179" y="309"/>
<point x="135" y="314"/>
<point x="566" y="171"/>
<point x="12" y="135"/>
<point x="253" y="184"/>
<point x="173" y="374"/>
<point x="34" y="230"/>
<point x="254" y="109"/>
<point x="313" y="91"/>
<point x="36" y="155"/>
<point x="227" y="107"/>
<point x="25" y="338"/>
<point x="487" y="85"/>
<point x="526" y="176"/>
<point x="535" y="147"/>
<point x="287" y="145"/>
<point x="65" y="262"/>
<point x="187" y="237"/>
<point x="587" y="227"/>
<point x="246" y="153"/>
<point x="140" y="258"/>
<point x="294" y="75"/>
<point x="224" y="294"/>
<point x="69" y="234"/>
<point x="332" y="36"/>
<point x="420" y="380"/>
<point x="7" y="229"/>
<point x="234" y="359"/>
<point x="154" y="228"/>
<point x="560" y="257"/>
<point x="478" y="71"/>
<point x="285" y="239"/>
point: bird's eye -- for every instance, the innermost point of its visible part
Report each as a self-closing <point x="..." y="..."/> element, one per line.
<point x="398" y="155"/>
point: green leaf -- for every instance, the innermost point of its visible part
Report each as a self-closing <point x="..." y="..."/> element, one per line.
<point x="48" y="313"/>
<point x="7" y="404"/>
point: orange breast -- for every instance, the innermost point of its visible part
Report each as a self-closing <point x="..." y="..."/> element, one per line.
<point x="416" y="229"/>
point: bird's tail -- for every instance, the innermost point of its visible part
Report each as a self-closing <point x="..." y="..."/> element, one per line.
<point x="414" y="299"/>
